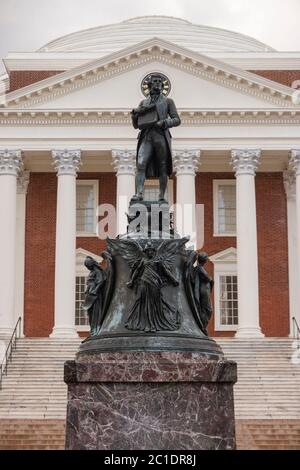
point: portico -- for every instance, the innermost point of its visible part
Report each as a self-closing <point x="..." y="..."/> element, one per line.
<point x="69" y="162"/>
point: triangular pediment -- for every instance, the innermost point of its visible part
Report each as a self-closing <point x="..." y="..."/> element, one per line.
<point x="114" y="82"/>
<point x="81" y="254"/>
<point x="225" y="256"/>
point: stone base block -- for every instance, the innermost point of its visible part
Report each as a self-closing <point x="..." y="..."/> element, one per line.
<point x="152" y="401"/>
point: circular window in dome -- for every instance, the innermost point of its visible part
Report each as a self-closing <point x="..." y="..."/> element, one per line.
<point x="146" y="81"/>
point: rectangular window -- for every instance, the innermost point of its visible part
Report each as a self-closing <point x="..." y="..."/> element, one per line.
<point x="86" y="207"/>
<point x="81" y="318"/>
<point x="224" y="207"/>
<point x="228" y="301"/>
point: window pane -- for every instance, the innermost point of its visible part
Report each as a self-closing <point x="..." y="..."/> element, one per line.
<point x="81" y="317"/>
<point x="85" y="208"/>
<point x="226" y="209"/>
<point x="228" y="300"/>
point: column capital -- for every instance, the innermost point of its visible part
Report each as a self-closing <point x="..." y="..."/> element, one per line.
<point x="11" y="162"/>
<point x="294" y="161"/>
<point x="245" y="161"/>
<point x="186" y="162"/>
<point x="66" y="162"/>
<point x="22" y="182"/>
<point x="124" y="161"/>
<point x="289" y="181"/>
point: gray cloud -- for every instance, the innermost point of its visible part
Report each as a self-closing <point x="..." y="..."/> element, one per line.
<point x="28" y="25"/>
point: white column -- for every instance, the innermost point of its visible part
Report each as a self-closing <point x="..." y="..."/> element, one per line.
<point x="66" y="162"/>
<point x="125" y="165"/>
<point x="245" y="163"/>
<point x="295" y="167"/>
<point x="10" y="166"/>
<point x="186" y="163"/>
<point x="289" y="179"/>
<point x="22" y="187"/>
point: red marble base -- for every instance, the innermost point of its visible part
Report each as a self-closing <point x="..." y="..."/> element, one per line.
<point x="150" y="400"/>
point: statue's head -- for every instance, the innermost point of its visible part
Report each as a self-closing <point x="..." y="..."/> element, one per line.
<point x="202" y="258"/>
<point x="89" y="262"/>
<point x="149" y="250"/>
<point x="155" y="83"/>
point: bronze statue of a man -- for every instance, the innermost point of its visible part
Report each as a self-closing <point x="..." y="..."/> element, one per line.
<point x="154" y="116"/>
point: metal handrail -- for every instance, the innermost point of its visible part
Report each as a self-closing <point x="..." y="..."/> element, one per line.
<point x="9" y="350"/>
<point x="296" y="331"/>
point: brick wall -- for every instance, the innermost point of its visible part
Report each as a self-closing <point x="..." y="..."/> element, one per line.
<point x="40" y="246"/>
<point x="285" y="77"/>
<point x="40" y="254"/>
<point x="273" y="254"/>
<point x="272" y="246"/>
<point x="212" y="245"/>
<point x="20" y="78"/>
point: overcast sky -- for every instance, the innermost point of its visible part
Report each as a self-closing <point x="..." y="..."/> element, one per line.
<point x="26" y="25"/>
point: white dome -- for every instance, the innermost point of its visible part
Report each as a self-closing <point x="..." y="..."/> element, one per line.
<point x="111" y="38"/>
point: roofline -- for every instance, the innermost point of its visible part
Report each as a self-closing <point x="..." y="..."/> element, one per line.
<point x="130" y="20"/>
<point x="148" y="45"/>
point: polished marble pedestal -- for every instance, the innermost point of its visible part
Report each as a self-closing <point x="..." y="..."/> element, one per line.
<point x="150" y="400"/>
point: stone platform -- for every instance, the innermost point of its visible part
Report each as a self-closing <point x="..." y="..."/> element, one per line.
<point x="150" y="400"/>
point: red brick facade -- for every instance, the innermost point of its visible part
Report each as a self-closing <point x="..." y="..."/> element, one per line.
<point x="40" y="246"/>
<point x="285" y="77"/>
<point x="272" y="238"/>
<point x="272" y="254"/>
<point x="40" y="254"/>
<point x="19" y="79"/>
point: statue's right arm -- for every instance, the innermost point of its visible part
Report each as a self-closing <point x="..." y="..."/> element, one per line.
<point x="135" y="114"/>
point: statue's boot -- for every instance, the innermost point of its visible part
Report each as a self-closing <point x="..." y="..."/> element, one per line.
<point x="137" y="197"/>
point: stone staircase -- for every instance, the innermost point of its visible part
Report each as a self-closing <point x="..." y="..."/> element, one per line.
<point x="34" y="386"/>
<point x="268" y="384"/>
<point x="267" y="395"/>
<point x="32" y="434"/>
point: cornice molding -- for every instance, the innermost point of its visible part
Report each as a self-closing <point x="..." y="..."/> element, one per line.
<point x="222" y="143"/>
<point x="195" y="117"/>
<point x="47" y="61"/>
<point x="139" y="55"/>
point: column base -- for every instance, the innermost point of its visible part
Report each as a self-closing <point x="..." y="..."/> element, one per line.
<point x="249" y="332"/>
<point x="150" y="400"/>
<point x="64" y="332"/>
